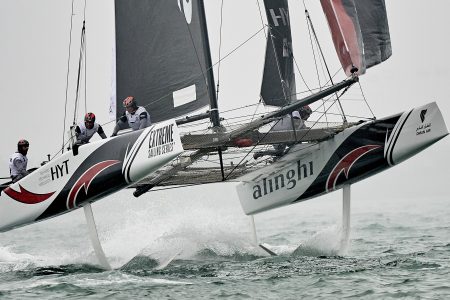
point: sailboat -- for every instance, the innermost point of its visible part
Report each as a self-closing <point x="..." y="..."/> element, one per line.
<point x="164" y="60"/>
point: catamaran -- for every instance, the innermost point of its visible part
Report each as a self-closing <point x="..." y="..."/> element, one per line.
<point x="162" y="55"/>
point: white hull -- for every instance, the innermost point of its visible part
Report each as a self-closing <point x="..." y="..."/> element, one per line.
<point x="352" y="155"/>
<point x="99" y="169"/>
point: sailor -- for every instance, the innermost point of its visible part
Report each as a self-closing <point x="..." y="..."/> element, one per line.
<point x="85" y="131"/>
<point x="136" y="117"/>
<point x="18" y="161"/>
<point x="295" y="120"/>
<point x="289" y="122"/>
<point x="305" y="112"/>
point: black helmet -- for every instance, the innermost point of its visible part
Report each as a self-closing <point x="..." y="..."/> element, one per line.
<point x="23" y="143"/>
<point x="305" y="112"/>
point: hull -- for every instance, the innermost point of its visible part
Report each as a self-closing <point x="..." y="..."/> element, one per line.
<point x="356" y="153"/>
<point x="98" y="170"/>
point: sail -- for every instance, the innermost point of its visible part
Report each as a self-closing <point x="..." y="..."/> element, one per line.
<point x="162" y="56"/>
<point x="360" y="32"/>
<point x="278" y="84"/>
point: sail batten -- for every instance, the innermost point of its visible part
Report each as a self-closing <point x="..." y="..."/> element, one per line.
<point x="161" y="56"/>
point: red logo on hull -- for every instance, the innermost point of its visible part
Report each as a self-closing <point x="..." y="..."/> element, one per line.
<point x="345" y="164"/>
<point x="86" y="179"/>
<point x="25" y="196"/>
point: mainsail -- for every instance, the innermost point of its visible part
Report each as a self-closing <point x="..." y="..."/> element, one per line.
<point x="360" y="32"/>
<point x="278" y="85"/>
<point x="162" y="56"/>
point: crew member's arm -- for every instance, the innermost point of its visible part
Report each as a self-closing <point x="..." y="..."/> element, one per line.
<point x="120" y="124"/>
<point x="77" y="134"/>
<point x="101" y="132"/>
<point x="21" y="167"/>
<point x="145" y="120"/>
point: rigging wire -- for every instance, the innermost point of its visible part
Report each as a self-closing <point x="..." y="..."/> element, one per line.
<point x="365" y="100"/>
<point x="196" y="54"/>
<point x="214" y="116"/>
<point x="80" y="67"/>
<point x="312" y="47"/>
<point x="261" y="16"/>
<point x="183" y="186"/>
<point x="314" y="52"/>
<point x="67" y="78"/>
<point x="220" y="49"/>
<point x="265" y="35"/>
<point x="85" y="60"/>
<point x="323" y="60"/>
<point x="283" y="84"/>
<point x="334" y="102"/>
<point x="202" y="74"/>
<point x="257" y="144"/>
<point x="80" y="73"/>
<point x="218" y="84"/>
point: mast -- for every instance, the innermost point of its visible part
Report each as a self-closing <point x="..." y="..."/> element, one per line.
<point x="215" y="119"/>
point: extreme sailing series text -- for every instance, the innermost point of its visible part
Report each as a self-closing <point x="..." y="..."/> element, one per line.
<point x="161" y="141"/>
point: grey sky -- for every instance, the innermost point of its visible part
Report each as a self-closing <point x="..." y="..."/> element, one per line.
<point x="33" y="64"/>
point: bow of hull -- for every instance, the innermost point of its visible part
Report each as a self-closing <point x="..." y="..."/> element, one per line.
<point x="350" y="156"/>
<point x="97" y="170"/>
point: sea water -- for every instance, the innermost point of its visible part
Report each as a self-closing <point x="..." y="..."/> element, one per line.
<point x="398" y="248"/>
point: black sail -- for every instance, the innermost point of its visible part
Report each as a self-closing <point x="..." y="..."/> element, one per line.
<point x="278" y="85"/>
<point x="373" y="21"/>
<point x="360" y="32"/>
<point x="162" y="56"/>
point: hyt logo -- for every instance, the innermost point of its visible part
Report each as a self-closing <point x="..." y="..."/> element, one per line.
<point x="422" y="115"/>
<point x="186" y="8"/>
<point x="278" y="15"/>
<point x="60" y="170"/>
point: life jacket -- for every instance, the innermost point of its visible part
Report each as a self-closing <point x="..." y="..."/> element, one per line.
<point x="86" y="133"/>
<point x="21" y="162"/>
<point x="134" y="120"/>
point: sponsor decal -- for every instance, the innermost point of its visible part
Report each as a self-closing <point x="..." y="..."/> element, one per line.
<point x="186" y="8"/>
<point x="86" y="179"/>
<point x="423" y="128"/>
<point x="59" y="170"/>
<point x="25" y="196"/>
<point x="278" y="15"/>
<point x="44" y="177"/>
<point x="286" y="180"/>
<point x="423" y="114"/>
<point x="346" y="163"/>
<point x="161" y="141"/>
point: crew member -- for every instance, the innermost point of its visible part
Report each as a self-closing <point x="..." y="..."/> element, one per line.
<point x="18" y="161"/>
<point x="294" y="121"/>
<point x="290" y="121"/>
<point x="85" y="131"/>
<point x="136" y="117"/>
<point x="305" y="112"/>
